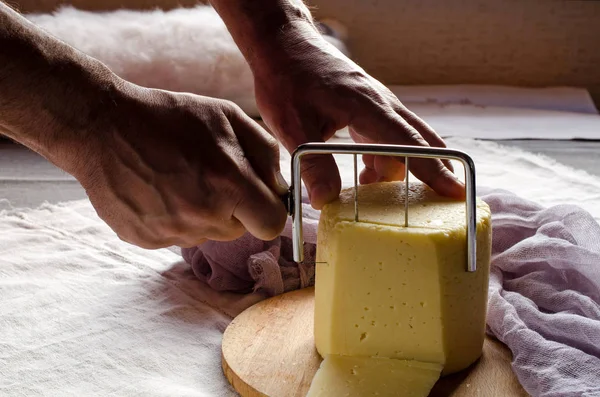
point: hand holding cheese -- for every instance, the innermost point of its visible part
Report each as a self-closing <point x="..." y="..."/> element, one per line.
<point x="386" y="291"/>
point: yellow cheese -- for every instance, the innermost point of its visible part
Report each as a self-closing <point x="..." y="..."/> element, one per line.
<point x="344" y="376"/>
<point x="389" y="291"/>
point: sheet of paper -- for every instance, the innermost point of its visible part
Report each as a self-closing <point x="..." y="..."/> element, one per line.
<point x="567" y="99"/>
<point x="501" y="123"/>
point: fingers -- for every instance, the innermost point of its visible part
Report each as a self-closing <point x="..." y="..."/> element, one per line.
<point x="389" y="127"/>
<point x="426" y="131"/>
<point x="322" y="178"/>
<point x="381" y="169"/>
<point x="183" y="232"/>
<point x="261" y="150"/>
<point x="223" y="229"/>
<point x="438" y="177"/>
<point x="258" y="207"/>
<point x="319" y="172"/>
<point x="260" y="211"/>
<point x="367" y="176"/>
<point x="198" y="242"/>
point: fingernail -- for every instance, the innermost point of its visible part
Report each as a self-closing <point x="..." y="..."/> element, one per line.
<point x="281" y="182"/>
<point x="456" y="178"/>
<point x="320" y="196"/>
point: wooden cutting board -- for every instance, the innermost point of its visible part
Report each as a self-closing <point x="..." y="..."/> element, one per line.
<point x="268" y="350"/>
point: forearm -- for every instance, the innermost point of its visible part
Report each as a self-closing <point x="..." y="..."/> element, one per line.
<point x="48" y="90"/>
<point x="261" y="27"/>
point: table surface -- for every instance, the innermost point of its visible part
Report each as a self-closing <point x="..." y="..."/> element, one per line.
<point x="27" y="179"/>
<point x="269" y="350"/>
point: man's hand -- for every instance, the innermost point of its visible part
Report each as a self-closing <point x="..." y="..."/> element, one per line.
<point x="311" y="91"/>
<point x="177" y="169"/>
<point x="307" y="90"/>
<point x="160" y="168"/>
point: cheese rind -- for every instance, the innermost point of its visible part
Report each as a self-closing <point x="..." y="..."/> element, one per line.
<point x="346" y="376"/>
<point x="389" y="291"/>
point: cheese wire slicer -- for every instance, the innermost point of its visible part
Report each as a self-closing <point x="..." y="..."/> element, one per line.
<point x="293" y="199"/>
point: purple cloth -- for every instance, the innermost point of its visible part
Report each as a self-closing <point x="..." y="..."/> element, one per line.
<point x="544" y="300"/>
<point x="249" y="264"/>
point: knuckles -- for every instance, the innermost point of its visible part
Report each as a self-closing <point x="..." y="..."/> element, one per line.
<point x="197" y="180"/>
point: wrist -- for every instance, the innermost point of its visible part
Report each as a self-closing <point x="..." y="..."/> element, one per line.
<point x="50" y="94"/>
<point x="263" y="29"/>
<point x="286" y="44"/>
<point x="84" y="116"/>
<point x="70" y="121"/>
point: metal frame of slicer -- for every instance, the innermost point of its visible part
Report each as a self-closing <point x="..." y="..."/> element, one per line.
<point x="294" y="198"/>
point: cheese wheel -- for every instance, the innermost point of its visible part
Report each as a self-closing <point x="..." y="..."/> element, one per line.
<point x="385" y="290"/>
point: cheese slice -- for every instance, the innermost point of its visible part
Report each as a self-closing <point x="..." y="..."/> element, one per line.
<point x="346" y="376"/>
<point x="384" y="290"/>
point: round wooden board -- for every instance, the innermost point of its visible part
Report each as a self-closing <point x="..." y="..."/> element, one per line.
<point x="268" y="350"/>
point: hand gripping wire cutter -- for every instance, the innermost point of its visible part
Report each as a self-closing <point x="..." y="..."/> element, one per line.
<point x="293" y="199"/>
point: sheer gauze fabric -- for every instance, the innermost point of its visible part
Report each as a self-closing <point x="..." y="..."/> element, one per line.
<point x="544" y="297"/>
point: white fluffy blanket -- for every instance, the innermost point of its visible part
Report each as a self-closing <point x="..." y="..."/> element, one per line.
<point x="184" y="49"/>
<point x="190" y="50"/>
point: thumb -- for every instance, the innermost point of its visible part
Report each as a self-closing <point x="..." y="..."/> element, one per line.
<point x="322" y="178"/>
<point x="319" y="171"/>
<point x="261" y="150"/>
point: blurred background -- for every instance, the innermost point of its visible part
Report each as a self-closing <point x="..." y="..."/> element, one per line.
<point x="523" y="73"/>
<point x="511" y="42"/>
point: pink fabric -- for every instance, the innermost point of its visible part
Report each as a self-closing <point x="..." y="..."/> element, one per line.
<point x="544" y="301"/>
<point x="249" y="264"/>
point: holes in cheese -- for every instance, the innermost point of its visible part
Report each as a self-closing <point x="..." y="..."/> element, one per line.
<point x="403" y="293"/>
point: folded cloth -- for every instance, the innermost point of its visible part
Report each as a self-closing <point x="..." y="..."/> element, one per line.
<point x="249" y="264"/>
<point x="544" y="300"/>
